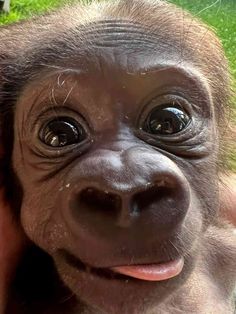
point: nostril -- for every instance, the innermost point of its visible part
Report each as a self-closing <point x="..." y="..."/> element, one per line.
<point x="93" y="199"/>
<point x="150" y="198"/>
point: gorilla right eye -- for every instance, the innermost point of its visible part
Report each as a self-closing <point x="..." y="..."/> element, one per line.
<point x="62" y="131"/>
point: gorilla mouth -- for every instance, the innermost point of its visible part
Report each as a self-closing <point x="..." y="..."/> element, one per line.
<point x="75" y="262"/>
<point x="148" y="272"/>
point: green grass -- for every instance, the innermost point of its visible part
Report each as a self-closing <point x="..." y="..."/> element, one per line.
<point x="220" y="14"/>
<point x="21" y="9"/>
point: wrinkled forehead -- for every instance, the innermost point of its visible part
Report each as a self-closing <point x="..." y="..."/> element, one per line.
<point x="129" y="42"/>
<point x="121" y="33"/>
<point x="118" y="43"/>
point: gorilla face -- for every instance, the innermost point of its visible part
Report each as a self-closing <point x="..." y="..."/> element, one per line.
<point x="115" y="148"/>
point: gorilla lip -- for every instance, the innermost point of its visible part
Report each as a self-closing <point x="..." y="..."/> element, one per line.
<point x="152" y="272"/>
<point x="145" y="272"/>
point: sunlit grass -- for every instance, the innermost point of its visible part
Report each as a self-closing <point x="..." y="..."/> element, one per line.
<point x="21" y="9"/>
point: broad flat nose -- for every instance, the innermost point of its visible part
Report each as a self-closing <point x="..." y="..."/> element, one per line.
<point x="124" y="208"/>
<point x="136" y="188"/>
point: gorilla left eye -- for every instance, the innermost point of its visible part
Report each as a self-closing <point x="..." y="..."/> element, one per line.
<point x="61" y="132"/>
<point x="166" y="120"/>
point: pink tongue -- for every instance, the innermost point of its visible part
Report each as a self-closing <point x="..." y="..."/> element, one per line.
<point x="152" y="272"/>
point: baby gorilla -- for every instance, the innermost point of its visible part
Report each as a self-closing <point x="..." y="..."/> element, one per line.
<point x="112" y="117"/>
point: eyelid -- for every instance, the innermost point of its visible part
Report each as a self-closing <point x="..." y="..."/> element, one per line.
<point x="74" y="124"/>
<point x="45" y="117"/>
<point x="53" y="112"/>
<point x="164" y="99"/>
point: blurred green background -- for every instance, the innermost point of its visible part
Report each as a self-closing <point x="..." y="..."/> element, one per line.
<point x="220" y="14"/>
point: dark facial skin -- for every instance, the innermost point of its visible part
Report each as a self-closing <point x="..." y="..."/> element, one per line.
<point x="106" y="181"/>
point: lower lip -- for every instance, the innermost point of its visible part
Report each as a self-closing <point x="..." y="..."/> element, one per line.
<point x="152" y="272"/>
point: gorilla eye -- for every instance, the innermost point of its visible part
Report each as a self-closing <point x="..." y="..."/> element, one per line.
<point x="166" y="120"/>
<point x="61" y="132"/>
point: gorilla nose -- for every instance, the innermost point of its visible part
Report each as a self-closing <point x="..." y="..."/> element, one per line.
<point x="162" y="203"/>
<point x="138" y="190"/>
